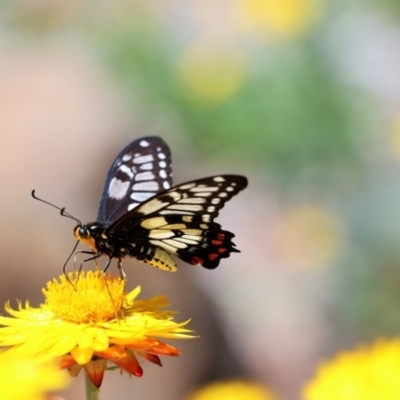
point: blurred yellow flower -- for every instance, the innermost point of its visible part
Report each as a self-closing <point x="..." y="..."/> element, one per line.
<point x="283" y="17"/>
<point x="395" y="145"/>
<point x="210" y="74"/>
<point x="366" y="373"/>
<point x="233" y="390"/>
<point x="307" y="236"/>
<point x="91" y="323"/>
<point x="26" y="378"/>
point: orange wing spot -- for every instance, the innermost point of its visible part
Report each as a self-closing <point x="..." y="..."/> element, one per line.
<point x="222" y="250"/>
<point x="221" y="236"/>
<point x="216" y="242"/>
<point x="213" y="256"/>
<point x="196" y="260"/>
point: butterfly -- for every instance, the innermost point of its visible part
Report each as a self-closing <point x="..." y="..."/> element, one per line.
<point x="142" y="215"/>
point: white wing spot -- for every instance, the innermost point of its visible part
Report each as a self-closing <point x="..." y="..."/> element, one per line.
<point x="219" y="179"/>
<point x="146" y="186"/>
<point x="162" y="173"/>
<point x="117" y="189"/>
<point x="204" y="194"/>
<point x="143" y="159"/>
<point x="151" y="206"/>
<point x="160" y="234"/>
<point x="145" y="176"/>
<point x="126" y="157"/>
<point x="162" y="156"/>
<point x="175" y="196"/>
<point x="214" y="201"/>
<point x="194" y="232"/>
<point x="211" y="209"/>
<point x="152" y="223"/>
<point x="141" y="196"/>
<point x="223" y="194"/>
<point x="205" y="218"/>
<point x="132" y="206"/>
<point x="229" y="189"/>
<point x="164" y="245"/>
<point x="173" y="212"/>
<point x="187" y="241"/>
<point x="187" y="186"/>
<point x="162" y="164"/>
<point x="205" y="189"/>
<point x="185" y="207"/>
<point x="166" y="185"/>
<point x="144" y="143"/>
<point x="175" y="226"/>
<point x="174" y="243"/>
<point x="126" y="170"/>
<point x="147" y="166"/>
<point x="192" y="200"/>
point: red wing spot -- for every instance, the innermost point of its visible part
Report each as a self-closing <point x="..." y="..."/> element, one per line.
<point x="222" y="250"/>
<point x="221" y="236"/>
<point x="216" y="242"/>
<point x="212" y="256"/>
<point x="196" y="260"/>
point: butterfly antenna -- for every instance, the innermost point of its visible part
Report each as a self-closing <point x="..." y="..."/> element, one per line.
<point x="62" y="210"/>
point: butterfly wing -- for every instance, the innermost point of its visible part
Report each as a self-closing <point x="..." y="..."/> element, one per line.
<point x="179" y="221"/>
<point x="141" y="169"/>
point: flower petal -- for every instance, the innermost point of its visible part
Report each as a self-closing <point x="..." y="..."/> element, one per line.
<point x="130" y="364"/>
<point x="95" y="370"/>
<point x="82" y="356"/>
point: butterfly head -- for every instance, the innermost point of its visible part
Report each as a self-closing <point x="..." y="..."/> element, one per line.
<point x="85" y="234"/>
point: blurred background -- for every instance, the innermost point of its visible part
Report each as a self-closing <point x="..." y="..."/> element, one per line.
<point x="301" y="96"/>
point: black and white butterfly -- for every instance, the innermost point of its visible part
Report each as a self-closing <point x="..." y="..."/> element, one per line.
<point x="143" y="215"/>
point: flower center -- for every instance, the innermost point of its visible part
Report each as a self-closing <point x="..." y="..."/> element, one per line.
<point x="92" y="297"/>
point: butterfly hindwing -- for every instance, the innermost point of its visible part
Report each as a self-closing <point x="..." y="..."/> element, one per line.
<point x="180" y="220"/>
<point x="196" y="242"/>
<point x="141" y="170"/>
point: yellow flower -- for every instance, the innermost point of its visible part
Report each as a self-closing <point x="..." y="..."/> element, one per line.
<point x="366" y="373"/>
<point x="229" y="390"/>
<point x="90" y="323"/>
<point x="283" y="17"/>
<point x="395" y="143"/>
<point x="210" y="74"/>
<point x="24" y="378"/>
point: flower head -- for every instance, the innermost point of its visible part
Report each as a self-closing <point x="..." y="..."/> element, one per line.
<point x="235" y="389"/>
<point x="28" y="378"/>
<point x="91" y="323"/>
<point x="366" y="373"/>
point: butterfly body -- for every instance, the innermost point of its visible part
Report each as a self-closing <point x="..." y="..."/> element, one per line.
<point x="142" y="215"/>
<point x="102" y="242"/>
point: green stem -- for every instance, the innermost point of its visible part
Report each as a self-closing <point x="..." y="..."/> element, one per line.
<point x="92" y="392"/>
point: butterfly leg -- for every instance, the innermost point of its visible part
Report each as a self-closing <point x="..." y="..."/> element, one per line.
<point x="83" y="252"/>
<point x="121" y="270"/>
<point x="107" y="265"/>
<point x="95" y="257"/>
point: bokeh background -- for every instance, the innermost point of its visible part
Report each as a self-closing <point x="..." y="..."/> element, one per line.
<point x="301" y="96"/>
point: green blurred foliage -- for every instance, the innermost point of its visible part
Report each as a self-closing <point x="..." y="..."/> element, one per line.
<point x="289" y="118"/>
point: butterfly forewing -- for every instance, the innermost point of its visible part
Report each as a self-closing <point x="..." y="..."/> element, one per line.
<point x="180" y="220"/>
<point x="141" y="170"/>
